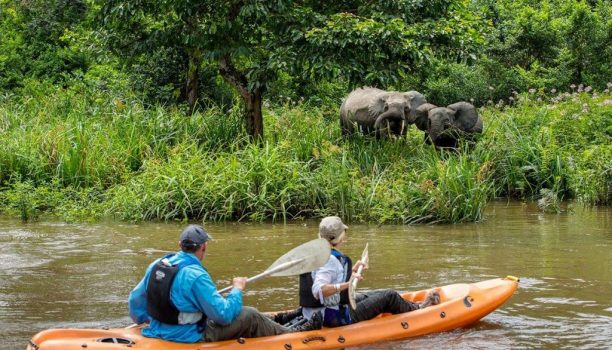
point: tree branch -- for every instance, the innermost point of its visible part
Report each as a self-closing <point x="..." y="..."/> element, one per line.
<point x="233" y="76"/>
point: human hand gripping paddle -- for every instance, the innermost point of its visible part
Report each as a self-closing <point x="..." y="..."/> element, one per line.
<point x="303" y="258"/>
<point x="353" y="284"/>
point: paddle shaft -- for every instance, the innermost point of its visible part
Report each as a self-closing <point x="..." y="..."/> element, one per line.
<point x="266" y="273"/>
<point x="364" y="260"/>
<point x="353" y="283"/>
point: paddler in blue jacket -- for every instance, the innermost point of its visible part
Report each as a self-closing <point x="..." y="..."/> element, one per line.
<point x="179" y="300"/>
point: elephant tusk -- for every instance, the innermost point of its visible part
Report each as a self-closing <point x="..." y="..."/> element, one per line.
<point x="402" y="129"/>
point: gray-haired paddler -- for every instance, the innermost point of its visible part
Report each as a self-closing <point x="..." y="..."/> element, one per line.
<point x="326" y="289"/>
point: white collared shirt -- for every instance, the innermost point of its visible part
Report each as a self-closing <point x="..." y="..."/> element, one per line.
<point x="330" y="273"/>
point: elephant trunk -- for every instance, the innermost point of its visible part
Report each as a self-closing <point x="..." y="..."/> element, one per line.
<point x="412" y="116"/>
<point x="438" y="128"/>
<point x="395" y="113"/>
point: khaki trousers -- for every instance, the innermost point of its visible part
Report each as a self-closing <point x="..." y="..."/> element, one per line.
<point x="249" y="324"/>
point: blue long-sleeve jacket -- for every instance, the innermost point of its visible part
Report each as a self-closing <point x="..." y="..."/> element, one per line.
<point x="192" y="291"/>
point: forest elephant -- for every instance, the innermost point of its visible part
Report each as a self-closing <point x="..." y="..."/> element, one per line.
<point x="379" y="112"/>
<point x="443" y="126"/>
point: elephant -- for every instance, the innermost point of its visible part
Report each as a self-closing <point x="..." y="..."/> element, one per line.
<point x="444" y="125"/>
<point x="376" y="111"/>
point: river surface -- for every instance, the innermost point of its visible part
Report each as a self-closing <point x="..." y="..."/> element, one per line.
<point x="57" y="275"/>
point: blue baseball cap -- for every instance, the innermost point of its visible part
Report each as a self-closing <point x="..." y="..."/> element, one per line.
<point x="194" y="235"/>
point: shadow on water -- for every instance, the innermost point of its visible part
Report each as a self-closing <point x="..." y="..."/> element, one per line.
<point x="59" y="275"/>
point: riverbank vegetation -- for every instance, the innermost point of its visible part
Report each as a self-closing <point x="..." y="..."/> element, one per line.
<point x="88" y="133"/>
<point x="91" y="155"/>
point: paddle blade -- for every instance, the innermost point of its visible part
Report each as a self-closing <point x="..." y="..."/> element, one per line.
<point x="310" y="256"/>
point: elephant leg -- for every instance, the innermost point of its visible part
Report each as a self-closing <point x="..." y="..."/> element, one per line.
<point x="347" y="128"/>
<point x="446" y="142"/>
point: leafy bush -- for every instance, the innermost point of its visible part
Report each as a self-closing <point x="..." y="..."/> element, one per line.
<point x="81" y="156"/>
<point x="454" y="82"/>
<point x="551" y="43"/>
<point x="552" y="147"/>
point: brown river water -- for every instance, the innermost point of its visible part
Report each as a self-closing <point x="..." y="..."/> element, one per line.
<point x="57" y="275"/>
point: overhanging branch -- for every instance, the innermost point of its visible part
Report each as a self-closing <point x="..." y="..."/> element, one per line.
<point x="233" y="76"/>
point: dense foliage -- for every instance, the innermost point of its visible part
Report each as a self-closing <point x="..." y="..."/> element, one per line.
<point x="252" y="41"/>
<point x="85" y="155"/>
<point x="540" y="45"/>
<point x="136" y="109"/>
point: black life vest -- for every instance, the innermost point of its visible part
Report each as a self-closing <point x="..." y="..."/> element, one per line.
<point x="159" y="304"/>
<point x="306" y="297"/>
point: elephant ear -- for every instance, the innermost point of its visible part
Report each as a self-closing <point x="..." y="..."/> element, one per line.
<point x="465" y="117"/>
<point x="423" y="115"/>
<point x="377" y="105"/>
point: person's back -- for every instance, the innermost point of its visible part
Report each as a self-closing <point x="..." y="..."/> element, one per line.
<point x="193" y="298"/>
<point x="180" y="301"/>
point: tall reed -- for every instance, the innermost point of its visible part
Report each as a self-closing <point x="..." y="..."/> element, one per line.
<point x="111" y="155"/>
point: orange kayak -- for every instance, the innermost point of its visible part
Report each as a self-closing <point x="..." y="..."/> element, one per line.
<point x="461" y="305"/>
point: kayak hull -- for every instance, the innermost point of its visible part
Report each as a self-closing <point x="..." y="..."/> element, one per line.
<point x="460" y="306"/>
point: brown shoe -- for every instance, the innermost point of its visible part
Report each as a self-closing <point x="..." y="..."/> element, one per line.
<point x="433" y="298"/>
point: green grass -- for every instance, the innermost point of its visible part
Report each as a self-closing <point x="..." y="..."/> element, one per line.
<point x="84" y="155"/>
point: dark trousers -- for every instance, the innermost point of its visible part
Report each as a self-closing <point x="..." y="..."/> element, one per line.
<point x="372" y="304"/>
<point x="249" y="324"/>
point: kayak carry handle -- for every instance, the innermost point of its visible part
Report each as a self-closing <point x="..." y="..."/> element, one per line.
<point x="513" y="278"/>
<point x="314" y="338"/>
<point x="116" y="340"/>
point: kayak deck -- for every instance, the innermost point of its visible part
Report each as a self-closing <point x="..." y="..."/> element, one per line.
<point x="460" y="305"/>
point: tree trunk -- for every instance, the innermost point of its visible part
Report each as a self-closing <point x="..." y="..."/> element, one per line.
<point x="252" y="99"/>
<point x="191" y="88"/>
<point x="254" y="118"/>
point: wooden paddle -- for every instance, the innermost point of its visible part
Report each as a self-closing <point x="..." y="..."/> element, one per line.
<point x="354" y="281"/>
